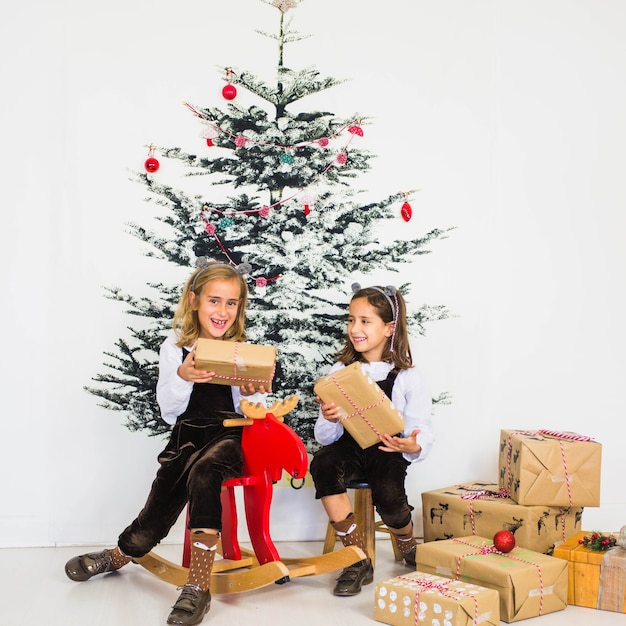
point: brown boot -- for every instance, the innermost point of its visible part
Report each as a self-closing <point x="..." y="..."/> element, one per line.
<point x="84" y="566"/>
<point x="194" y="601"/>
<point x="352" y="578"/>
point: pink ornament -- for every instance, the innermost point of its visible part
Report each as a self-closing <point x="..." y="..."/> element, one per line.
<point x="342" y="158"/>
<point x="229" y="92"/>
<point x="323" y="141"/>
<point x="406" y="212"/>
<point x="356" y="130"/>
<point x="264" y="212"/>
<point x="209" y="133"/>
<point x="261" y="282"/>
<point x="151" y="165"/>
<point x="210" y="228"/>
<point x="240" y="141"/>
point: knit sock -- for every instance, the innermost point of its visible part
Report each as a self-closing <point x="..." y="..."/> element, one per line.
<point x="405" y="539"/>
<point x="203" y="549"/>
<point x="118" y="558"/>
<point x="349" y="534"/>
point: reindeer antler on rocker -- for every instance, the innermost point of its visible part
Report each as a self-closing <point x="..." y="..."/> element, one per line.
<point x="257" y="411"/>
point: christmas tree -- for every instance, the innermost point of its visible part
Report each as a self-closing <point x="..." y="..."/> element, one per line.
<point x="291" y="221"/>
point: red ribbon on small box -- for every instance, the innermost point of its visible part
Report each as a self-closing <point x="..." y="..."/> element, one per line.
<point x="485" y="549"/>
<point x="240" y="378"/>
<point x="444" y="589"/>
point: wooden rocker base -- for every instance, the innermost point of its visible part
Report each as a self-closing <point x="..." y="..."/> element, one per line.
<point x="246" y="574"/>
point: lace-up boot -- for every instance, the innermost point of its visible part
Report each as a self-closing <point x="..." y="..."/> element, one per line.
<point x="83" y="567"/>
<point x="352" y="578"/>
<point x="191" y="607"/>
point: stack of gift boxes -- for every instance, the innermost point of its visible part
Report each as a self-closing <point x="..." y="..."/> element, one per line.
<point x="545" y="480"/>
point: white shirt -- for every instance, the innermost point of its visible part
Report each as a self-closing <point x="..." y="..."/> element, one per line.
<point x="410" y="395"/>
<point x="173" y="392"/>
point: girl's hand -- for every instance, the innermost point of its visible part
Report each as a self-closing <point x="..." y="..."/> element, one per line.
<point x="187" y="370"/>
<point x="330" y="411"/>
<point x="250" y="389"/>
<point x="406" y="445"/>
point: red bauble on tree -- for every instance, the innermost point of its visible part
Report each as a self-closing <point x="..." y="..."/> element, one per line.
<point x="229" y="92"/>
<point x="406" y="211"/>
<point x="504" y="540"/>
<point x="151" y="165"/>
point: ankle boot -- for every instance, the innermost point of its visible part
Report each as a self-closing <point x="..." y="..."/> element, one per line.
<point x="352" y="578"/>
<point x="194" y="601"/>
<point x="85" y="566"/>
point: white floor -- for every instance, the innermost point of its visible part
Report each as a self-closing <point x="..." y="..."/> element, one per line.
<point x="36" y="592"/>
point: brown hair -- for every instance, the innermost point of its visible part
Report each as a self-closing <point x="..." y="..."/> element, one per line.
<point x="384" y="306"/>
<point x="186" y="323"/>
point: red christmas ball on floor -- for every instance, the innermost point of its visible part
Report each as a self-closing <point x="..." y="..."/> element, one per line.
<point x="229" y="92"/>
<point x="504" y="540"/>
<point x="151" y="165"/>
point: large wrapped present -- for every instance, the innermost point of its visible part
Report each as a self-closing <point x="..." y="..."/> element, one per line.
<point x="366" y="411"/>
<point x="530" y="584"/>
<point x="597" y="579"/>
<point x="482" y="508"/>
<point x="236" y="363"/>
<point x="548" y="467"/>
<point x="423" y="598"/>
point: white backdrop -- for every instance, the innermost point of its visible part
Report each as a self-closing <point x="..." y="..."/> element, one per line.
<point x="507" y="115"/>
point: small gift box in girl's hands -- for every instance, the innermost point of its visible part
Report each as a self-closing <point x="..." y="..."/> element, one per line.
<point x="419" y="598"/>
<point x="367" y="411"/>
<point x="236" y="363"/>
<point x="546" y="467"/>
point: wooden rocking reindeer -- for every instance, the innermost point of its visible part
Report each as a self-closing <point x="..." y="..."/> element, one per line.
<point x="269" y="447"/>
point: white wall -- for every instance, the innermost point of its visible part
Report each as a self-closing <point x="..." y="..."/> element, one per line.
<point x="508" y="116"/>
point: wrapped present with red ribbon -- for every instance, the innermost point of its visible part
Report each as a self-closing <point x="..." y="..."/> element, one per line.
<point x="366" y="411"/>
<point x="236" y="363"/>
<point x="483" y="508"/>
<point x="597" y="578"/>
<point x="530" y="584"/>
<point x="419" y="598"/>
<point x="550" y="467"/>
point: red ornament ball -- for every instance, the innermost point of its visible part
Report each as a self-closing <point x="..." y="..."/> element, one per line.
<point x="406" y="212"/>
<point x="504" y="540"/>
<point x="229" y="92"/>
<point x="151" y="165"/>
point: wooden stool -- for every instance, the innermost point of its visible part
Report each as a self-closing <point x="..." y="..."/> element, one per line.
<point x="364" y="513"/>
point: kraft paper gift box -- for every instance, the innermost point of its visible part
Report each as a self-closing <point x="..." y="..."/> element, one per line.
<point x="597" y="580"/>
<point x="545" y="467"/>
<point x="481" y="508"/>
<point x="365" y="408"/>
<point x="236" y="363"/>
<point x="530" y="584"/>
<point x="423" y="598"/>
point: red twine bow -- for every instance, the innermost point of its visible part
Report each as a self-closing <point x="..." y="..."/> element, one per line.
<point x="486" y="549"/>
<point x="477" y="495"/>
<point x="360" y="412"/>
<point x="444" y="589"/>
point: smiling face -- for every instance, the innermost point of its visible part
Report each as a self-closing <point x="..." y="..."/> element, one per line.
<point x="217" y="307"/>
<point x="367" y="331"/>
